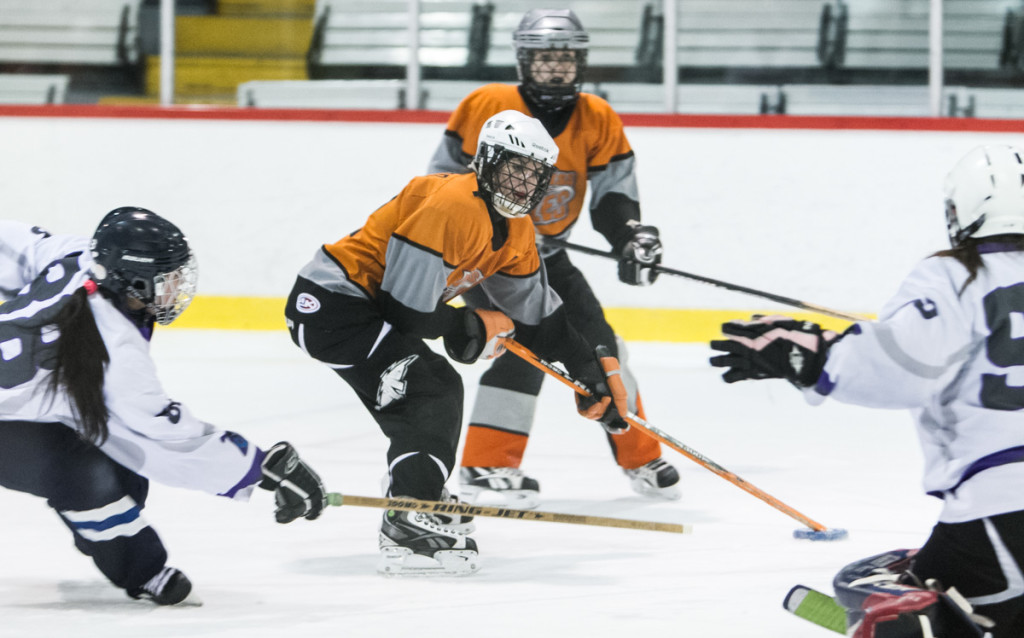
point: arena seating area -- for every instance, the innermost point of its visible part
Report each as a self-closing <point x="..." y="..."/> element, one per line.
<point x="868" y="57"/>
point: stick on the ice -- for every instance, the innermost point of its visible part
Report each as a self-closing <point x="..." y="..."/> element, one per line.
<point x="816" y="530"/>
<point x="442" y="507"/>
<point x="789" y="301"/>
<point x="816" y="607"/>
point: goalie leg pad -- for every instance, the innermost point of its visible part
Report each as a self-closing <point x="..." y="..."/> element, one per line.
<point x="884" y="599"/>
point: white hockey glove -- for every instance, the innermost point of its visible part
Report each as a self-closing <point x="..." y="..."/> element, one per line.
<point x="773" y="347"/>
<point x="297" y="489"/>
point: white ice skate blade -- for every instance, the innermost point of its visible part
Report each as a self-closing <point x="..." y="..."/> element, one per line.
<point x="643" y="488"/>
<point x="513" y="499"/>
<point x="190" y="601"/>
<point x="401" y="561"/>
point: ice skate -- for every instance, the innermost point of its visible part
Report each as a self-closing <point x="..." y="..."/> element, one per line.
<point x="418" y="544"/>
<point x="657" y="479"/>
<point x="502" y="486"/>
<point x="169" y="587"/>
<point x="459" y="522"/>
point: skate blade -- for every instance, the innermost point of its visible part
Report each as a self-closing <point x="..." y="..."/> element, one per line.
<point x="670" y="493"/>
<point x="190" y="601"/>
<point x="513" y="499"/>
<point x="401" y="561"/>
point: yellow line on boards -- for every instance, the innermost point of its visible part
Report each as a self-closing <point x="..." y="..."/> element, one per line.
<point x="632" y="324"/>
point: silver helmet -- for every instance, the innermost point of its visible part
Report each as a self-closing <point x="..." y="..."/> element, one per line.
<point x="551" y="55"/>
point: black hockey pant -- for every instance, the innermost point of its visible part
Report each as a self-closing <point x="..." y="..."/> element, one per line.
<point x="414" y="394"/>
<point x="984" y="560"/>
<point x="99" y="500"/>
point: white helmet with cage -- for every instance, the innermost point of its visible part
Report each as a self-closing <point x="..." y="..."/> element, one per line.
<point x="985" y="194"/>
<point x="515" y="157"/>
<point x="551" y="55"/>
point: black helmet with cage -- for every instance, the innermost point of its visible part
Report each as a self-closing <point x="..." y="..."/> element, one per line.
<point x="551" y="56"/>
<point x="142" y="256"/>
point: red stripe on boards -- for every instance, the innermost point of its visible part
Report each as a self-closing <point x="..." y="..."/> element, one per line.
<point x="795" y="122"/>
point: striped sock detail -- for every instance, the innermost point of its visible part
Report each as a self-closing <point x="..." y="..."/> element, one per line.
<point x="120" y="518"/>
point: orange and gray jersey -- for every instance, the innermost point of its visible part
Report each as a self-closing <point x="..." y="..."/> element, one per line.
<point x="429" y="244"/>
<point x="592" y="146"/>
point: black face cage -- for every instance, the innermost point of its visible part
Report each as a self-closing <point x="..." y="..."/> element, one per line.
<point x="559" y="92"/>
<point x="515" y="183"/>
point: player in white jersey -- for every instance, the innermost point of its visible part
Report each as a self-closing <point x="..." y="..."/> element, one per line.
<point x="84" y="421"/>
<point x="950" y="347"/>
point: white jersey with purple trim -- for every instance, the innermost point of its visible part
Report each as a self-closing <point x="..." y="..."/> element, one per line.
<point x="150" y="433"/>
<point x="956" y="359"/>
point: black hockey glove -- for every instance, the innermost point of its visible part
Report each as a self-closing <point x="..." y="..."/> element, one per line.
<point x="637" y="253"/>
<point x="773" y="348"/>
<point x="297" y="489"/>
<point x="608" y="402"/>
<point x="480" y="336"/>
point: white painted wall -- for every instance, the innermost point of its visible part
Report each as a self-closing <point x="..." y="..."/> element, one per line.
<point x="830" y="217"/>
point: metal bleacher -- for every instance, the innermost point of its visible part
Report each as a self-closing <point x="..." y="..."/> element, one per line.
<point x="44" y="44"/>
<point x="361" y="33"/>
<point x="885" y="34"/>
<point x="748" y="33"/>
<point x="33" y="88"/>
<point x="73" y="32"/>
<point x="799" y="57"/>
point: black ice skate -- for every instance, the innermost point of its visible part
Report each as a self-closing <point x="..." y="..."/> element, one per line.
<point x="461" y="523"/>
<point x="169" y="587"/>
<point x="418" y="544"/>
<point x="657" y="479"/>
<point x="504" y="486"/>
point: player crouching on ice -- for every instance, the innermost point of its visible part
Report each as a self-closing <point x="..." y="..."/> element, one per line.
<point x="365" y="304"/>
<point x="948" y="346"/>
<point x="84" y="421"/>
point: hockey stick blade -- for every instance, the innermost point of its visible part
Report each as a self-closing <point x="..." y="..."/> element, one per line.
<point x="442" y="507"/>
<point x="816" y="607"/>
<point x="816" y="530"/>
<point x="789" y="301"/>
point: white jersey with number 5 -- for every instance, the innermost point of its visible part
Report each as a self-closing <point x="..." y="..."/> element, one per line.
<point x="955" y="357"/>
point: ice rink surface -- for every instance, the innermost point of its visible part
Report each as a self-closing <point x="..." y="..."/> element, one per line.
<point x="843" y="466"/>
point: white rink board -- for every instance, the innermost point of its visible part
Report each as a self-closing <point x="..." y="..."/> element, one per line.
<point x="831" y="217"/>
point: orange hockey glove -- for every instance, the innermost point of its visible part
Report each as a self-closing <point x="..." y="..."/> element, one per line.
<point x="602" y="375"/>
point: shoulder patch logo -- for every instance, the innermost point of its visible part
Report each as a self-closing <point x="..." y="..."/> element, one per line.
<point x="468" y="279"/>
<point x="392" y="382"/>
<point x="307" y="303"/>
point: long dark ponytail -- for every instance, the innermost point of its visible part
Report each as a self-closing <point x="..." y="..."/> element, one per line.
<point x="81" y="364"/>
<point x="967" y="253"/>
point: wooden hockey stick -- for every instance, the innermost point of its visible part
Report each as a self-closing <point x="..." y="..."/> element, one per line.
<point x="789" y="301"/>
<point x="635" y="421"/>
<point x="440" y="507"/>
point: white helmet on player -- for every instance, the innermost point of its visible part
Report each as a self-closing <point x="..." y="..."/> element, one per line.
<point x="515" y="157"/>
<point x="985" y="194"/>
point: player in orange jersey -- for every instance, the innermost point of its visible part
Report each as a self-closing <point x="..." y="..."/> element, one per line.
<point x="551" y="48"/>
<point x="364" y="305"/>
